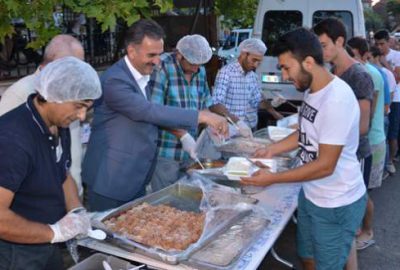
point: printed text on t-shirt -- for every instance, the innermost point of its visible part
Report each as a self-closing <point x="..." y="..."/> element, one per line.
<point x="308" y="112"/>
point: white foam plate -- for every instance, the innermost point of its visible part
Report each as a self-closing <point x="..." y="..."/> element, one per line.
<point x="235" y="175"/>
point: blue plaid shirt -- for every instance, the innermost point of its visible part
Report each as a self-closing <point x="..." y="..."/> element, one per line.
<point x="239" y="92"/>
<point x="169" y="87"/>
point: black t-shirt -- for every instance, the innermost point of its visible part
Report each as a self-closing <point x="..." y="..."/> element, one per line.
<point x="363" y="87"/>
<point x="33" y="164"/>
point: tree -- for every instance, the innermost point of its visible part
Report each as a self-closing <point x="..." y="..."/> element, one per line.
<point x="38" y="14"/>
<point x="238" y="13"/>
<point x="393" y="9"/>
<point x="373" y="21"/>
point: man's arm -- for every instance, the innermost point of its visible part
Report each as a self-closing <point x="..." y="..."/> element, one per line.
<point x="17" y="229"/>
<point x="71" y="194"/>
<point x="323" y="166"/>
<point x="288" y="144"/>
<point x="222" y="110"/>
<point x="365" y="115"/>
<point x="266" y="105"/>
<point x="118" y="96"/>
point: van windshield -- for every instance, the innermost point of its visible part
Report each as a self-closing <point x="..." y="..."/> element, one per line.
<point x="278" y="22"/>
<point x="345" y="16"/>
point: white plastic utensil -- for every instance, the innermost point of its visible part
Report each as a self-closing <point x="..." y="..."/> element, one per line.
<point x="106" y="265"/>
<point x="97" y="234"/>
<point x="201" y="164"/>
<point x="137" y="267"/>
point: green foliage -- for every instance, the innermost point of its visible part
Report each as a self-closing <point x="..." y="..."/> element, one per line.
<point x="238" y="13"/>
<point x="38" y="14"/>
<point x="373" y="21"/>
<point x="393" y="7"/>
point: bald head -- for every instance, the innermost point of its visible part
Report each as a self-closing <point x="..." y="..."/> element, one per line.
<point x="62" y="46"/>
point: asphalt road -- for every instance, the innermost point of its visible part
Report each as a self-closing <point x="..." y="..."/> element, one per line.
<point x="384" y="255"/>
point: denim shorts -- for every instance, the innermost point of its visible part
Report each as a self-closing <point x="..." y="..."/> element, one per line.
<point x="326" y="234"/>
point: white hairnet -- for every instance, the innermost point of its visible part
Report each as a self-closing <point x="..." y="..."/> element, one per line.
<point x="253" y="45"/>
<point x="68" y="79"/>
<point x="195" y="49"/>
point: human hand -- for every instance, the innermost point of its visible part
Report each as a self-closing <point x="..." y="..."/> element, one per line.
<point x="277" y="101"/>
<point x="189" y="145"/>
<point x="70" y="226"/>
<point x="233" y="130"/>
<point x="261" y="177"/>
<point x="265" y="152"/>
<point x="244" y="129"/>
<point x="215" y="121"/>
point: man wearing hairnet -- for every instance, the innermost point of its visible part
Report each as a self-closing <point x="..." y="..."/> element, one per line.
<point x="237" y="90"/>
<point x="17" y="94"/>
<point x="38" y="197"/>
<point x="180" y="82"/>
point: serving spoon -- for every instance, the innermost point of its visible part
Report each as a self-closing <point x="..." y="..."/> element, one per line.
<point x="97" y="234"/>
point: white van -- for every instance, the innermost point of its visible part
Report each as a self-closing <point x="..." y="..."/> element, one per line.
<point x="276" y="17"/>
<point x="229" y="49"/>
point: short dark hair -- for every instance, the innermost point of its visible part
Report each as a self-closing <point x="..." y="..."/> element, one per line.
<point x="301" y="43"/>
<point x="143" y="28"/>
<point x="375" y="51"/>
<point x="382" y="34"/>
<point x="359" y="43"/>
<point x="350" y="51"/>
<point x="332" y="27"/>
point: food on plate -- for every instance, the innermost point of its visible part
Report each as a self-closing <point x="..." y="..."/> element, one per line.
<point x="159" y="226"/>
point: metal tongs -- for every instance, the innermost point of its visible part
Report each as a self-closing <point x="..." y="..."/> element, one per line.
<point x="230" y="121"/>
<point x="201" y="164"/>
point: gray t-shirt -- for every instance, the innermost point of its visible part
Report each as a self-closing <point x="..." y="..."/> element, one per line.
<point x="363" y="87"/>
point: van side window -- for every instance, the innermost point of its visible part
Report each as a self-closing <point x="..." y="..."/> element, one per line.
<point x="278" y="22"/>
<point x="345" y="16"/>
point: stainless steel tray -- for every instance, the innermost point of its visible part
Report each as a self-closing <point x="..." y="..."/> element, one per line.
<point x="226" y="248"/>
<point x="187" y="198"/>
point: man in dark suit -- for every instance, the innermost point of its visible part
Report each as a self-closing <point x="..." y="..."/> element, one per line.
<point x="122" y="149"/>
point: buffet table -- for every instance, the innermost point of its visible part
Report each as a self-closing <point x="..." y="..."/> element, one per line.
<point x="279" y="201"/>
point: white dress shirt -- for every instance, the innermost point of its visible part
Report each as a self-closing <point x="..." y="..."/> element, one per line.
<point x="141" y="80"/>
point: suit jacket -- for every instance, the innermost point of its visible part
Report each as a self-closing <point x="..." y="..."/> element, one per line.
<point x="122" y="147"/>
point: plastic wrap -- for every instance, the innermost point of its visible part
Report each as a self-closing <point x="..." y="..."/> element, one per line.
<point x="196" y="193"/>
<point x="223" y="251"/>
<point x="244" y="147"/>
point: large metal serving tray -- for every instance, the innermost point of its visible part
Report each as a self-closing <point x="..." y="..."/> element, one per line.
<point x="187" y="198"/>
<point x="223" y="252"/>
